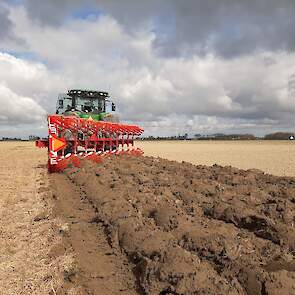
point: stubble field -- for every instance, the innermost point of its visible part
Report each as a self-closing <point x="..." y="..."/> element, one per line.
<point x="275" y="157"/>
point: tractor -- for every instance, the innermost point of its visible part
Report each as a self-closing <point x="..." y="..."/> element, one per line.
<point x="86" y="127"/>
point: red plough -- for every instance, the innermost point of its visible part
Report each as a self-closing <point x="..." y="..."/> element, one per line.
<point x="72" y="138"/>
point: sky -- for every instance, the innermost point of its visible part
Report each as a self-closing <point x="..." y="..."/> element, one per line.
<point x="171" y="66"/>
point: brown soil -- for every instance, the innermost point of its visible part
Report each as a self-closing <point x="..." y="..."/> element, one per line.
<point x="153" y="226"/>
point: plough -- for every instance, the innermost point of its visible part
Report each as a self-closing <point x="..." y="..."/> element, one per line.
<point x="77" y="134"/>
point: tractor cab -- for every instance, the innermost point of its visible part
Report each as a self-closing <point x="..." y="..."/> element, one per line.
<point x="85" y="104"/>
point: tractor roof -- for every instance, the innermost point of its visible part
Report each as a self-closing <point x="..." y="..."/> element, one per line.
<point x="88" y="93"/>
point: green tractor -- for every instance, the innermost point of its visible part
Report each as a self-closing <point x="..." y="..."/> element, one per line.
<point x="87" y="104"/>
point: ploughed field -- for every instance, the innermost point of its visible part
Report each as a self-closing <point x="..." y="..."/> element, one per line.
<point x="146" y="225"/>
<point x="152" y="226"/>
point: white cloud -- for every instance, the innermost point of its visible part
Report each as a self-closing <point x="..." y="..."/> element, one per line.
<point x="16" y="109"/>
<point x="165" y="94"/>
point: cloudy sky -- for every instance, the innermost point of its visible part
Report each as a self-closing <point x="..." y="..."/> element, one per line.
<point x="171" y="66"/>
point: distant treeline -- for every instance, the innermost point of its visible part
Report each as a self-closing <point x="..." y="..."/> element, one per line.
<point x="221" y="136"/>
<point x="31" y="137"/>
<point x="179" y="137"/>
<point x="280" y="136"/>
<point x="215" y="136"/>
<point x="12" y="139"/>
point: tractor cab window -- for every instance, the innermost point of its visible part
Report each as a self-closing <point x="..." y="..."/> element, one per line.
<point x="86" y="105"/>
<point x="62" y="103"/>
<point x="101" y="105"/>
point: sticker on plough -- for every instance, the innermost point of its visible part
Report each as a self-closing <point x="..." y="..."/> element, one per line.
<point x="56" y="144"/>
<point x="72" y="139"/>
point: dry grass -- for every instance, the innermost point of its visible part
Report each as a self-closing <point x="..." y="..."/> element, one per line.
<point x="25" y="241"/>
<point x="275" y="157"/>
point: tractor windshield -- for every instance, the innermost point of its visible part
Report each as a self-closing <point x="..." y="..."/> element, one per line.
<point x="83" y="101"/>
<point x="90" y="105"/>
